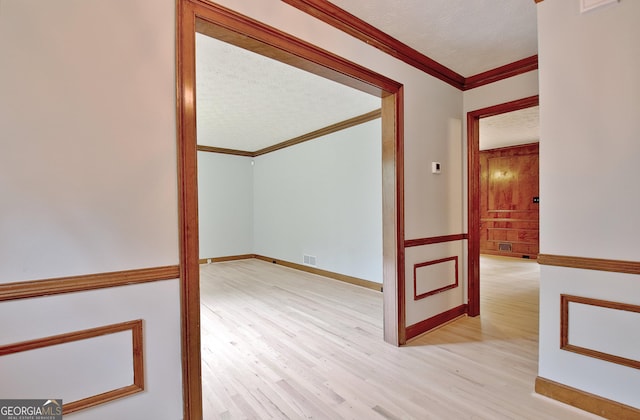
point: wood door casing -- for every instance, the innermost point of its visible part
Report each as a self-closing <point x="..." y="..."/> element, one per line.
<point x="509" y="217"/>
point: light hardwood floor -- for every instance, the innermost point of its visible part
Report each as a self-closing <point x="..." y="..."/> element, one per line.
<point x="279" y="343"/>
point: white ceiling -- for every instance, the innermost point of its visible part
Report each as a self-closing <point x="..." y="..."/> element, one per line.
<point x="245" y="101"/>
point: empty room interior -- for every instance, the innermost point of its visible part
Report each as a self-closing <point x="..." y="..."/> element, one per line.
<point x="395" y="209"/>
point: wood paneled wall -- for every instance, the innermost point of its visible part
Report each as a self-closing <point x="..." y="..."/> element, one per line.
<point x="509" y="217"/>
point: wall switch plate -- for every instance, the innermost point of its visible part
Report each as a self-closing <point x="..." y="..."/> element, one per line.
<point x="436" y="167"/>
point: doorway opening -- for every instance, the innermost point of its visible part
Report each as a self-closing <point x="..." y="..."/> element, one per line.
<point x="226" y="25"/>
<point x="473" y="165"/>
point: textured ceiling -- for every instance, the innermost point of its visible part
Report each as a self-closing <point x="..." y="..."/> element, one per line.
<point x="246" y="101"/>
<point x="467" y="36"/>
<point x="517" y="127"/>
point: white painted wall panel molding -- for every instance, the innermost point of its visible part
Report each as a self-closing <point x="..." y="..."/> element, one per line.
<point x="108" y="358"/>
<point x="600" y="329"/>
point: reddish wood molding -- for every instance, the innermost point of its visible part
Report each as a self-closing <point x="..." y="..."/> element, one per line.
<point x="356" y="27"/>
<point x="473" y="193"/>
<point x="584" y="400"/>
<point x="615" y="266"/>
<point x="138" y="359"/>
<point x="503" y="72"/>
<point x="346" y="22"/>
<point x="435" y="321"/>
<point x="434" y="240"/>
<point x="47" y="287"/>
<point x="564" y="328"/>
<point x="222" y="23"/>
<point x="222" y="150"/>
<point x="453" y="285"/>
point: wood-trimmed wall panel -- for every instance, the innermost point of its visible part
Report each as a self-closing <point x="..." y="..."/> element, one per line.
<point x="47" y="287"/>
<point x="503" y="72"/>
<point x="435" y="291"/>
<point x="137" y="357"/>
<point x="615" y="266"/>
<point x="565" y="300"/>
<point x="584" y="400"/>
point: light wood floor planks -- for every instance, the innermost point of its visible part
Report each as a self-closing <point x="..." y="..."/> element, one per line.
<point x="279" y="343"/>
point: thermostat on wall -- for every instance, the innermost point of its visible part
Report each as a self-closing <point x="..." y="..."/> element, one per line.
<point x="435" y="167"/>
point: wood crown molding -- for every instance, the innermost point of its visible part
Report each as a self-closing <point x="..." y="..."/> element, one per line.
<point x="616" y="266"/>
<point x="584" y="400"/>
<point x="346" y="22"/>
<point x="342" y="125"/>
<point x="503" y="72"/>
<point x="356" y="27"/>
<point x="47" y="287"/>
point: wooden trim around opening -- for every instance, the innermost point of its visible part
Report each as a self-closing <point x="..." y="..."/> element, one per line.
<point x="222" y="150"/>
<point x="435" y="240"/>
<point x="313" y="270"/>
<point x="435" y="321"/>
<point x="453" y="285"/>
<point x="232" y="27"/>
<point x="342" y="125"/>
<point x="138" y="359"/>
<point x="48" y="287"/>
<point x="473" y="192"/>
<point x="564" y="328"/>
<point x="584" y="400"/>
<point x="616" y="266"/>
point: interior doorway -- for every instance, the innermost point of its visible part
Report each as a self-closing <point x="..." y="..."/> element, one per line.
<point x="473" y="165"/>
<point x="229" y="26"/>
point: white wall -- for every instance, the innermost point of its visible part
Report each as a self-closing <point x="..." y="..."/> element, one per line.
<point x="88" y="179"/>
<point x="324" y="198"/>
<point x="589" y="105"/>
<point x="225" y="205"/>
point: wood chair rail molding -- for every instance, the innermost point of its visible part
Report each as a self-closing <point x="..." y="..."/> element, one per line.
<point x="600" y="264"/>
<point x="564" y="328"/>
<point x="55" y="286"/>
